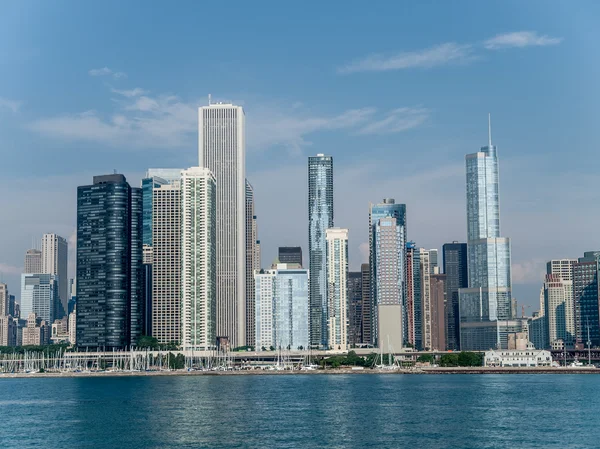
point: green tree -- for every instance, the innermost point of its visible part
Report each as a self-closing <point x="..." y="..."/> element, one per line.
<point x="272" y="348"/>
<point x="469" y="359"/>
<point x="176" y="361"/>
<point x="449" y="360"/>
<point x="147" y="342"/>
<point x="426" y="358"/>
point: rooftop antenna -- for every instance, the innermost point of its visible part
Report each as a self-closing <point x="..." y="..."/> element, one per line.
<point x="489" y="129"/>
<point x="209" y="99"/>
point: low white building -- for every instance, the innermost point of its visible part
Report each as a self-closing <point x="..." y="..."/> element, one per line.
<point x="527" y="358"/>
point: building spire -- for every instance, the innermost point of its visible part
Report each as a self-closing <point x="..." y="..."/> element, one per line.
<point x="489" y="129"/>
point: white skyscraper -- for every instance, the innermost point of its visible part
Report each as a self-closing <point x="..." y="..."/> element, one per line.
<point x="426" y="309"/>
<point x="198" y="250"/>
<point x="54" y="261"/>
<point x="222" y="149"/>
<point x="337" y="287"/>
<point x="33" y="261"/>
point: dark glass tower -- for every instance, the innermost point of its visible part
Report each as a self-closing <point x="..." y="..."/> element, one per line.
<point x="586" y="299"/>
<point x="320" y="218"/>
<point x="290" y="254"/>
<point x="109" y="264"/>
<point x="456" y="271"/>
<point x="354" y="307"/>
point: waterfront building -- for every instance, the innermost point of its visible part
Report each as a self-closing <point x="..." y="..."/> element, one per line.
<point x="198" y="270"/>
<point x="54" y="261"/>
<point x="413" y="296"/>
<point x="528" y="358"/>
<point x="365" y="272"/>
<point x="426" y="306"/>
<point x="585" y="299"/>
<point x="222" y="149"/>
<point x="282" y="307"/>
<point x="36" y="332"/>
<point x="354" y="308"/>
<point x="39" y="295"/>
<point x="559" y="309"/>
<point x="337" y="287"/>
<point x="386" y="209"/>
<point x="73" y="326"/>
<point x="485" y="306"/>
<point x="320" y="218"/>
<point x="33" y="261"/>
<point x="166" y="263"/>
<point x="290" y="254"/>
<point x="109" y="263"/>
<point x="388" y="259"/>
<point x="438" y="311"/>
<point x="251" y="234"/>
<point x="455" y="269"/>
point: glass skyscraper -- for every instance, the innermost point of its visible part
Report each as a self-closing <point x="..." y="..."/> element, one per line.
<point x="485" y="306"/>
<point x="320" y="218"/>
<point x="457" y="277"/>
<point x="109" y="264"/>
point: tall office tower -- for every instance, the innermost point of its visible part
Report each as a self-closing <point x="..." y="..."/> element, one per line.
<point x="438" y="312"/>
<point x="389" y="245"/>
<point x="39" y="295"/>
<point x="354" y="307"/>
<point x="457" y="277"/>
<point x="257" y="255"/>
<point x="410" y="333"/>
<point x="485" y="306"/>
<point x="365" y="324"/>
<point x="290" y="254"/>
<point x="33" y="261"/>
<point x="166" y="263"/>
<point x="337" y="287"/>
<point x="537" y="327"/>
<point x="4" y="306"/>
<point x="414" y="295"/>
<point x="562" y="268"/>
<point x="320" y="218"/>
<point x="434" y="267"/>
<point x="558" y="299"/>
<point x="585" y="298"/>
<point x="54" y="261"/>
<point x="387" y="208"/>
<point x="426" y="306"/>
<point x="222" y="148"/>
<point x="198" y="271"/>
<point x="251" y="231"/>
<point x="282" y="307"/>
<point x="109" y="263"/>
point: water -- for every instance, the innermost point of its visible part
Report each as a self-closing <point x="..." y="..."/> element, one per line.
<point x="333" y="411"/>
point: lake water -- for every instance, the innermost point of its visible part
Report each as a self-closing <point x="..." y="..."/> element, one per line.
<point x="379" y="411"/>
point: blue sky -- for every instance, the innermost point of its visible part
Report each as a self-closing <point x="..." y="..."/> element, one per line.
<point x="398" y="93"/>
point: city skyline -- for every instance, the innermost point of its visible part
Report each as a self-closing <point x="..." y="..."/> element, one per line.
<point x="431" y="185"/>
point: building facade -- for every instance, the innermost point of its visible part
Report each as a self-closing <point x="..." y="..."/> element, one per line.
<point x="559" y="309"/>
<point x="39" y="295"/>
<point x="251" y="239"/>
<point x="36" y="332"/>
<point x="585" y="299"/>
<point x="33" y="261"/>
<point x="366" y="317"/>
<point x="290" y="254"/>
<point x="320" y="218"/>
<point x="337" y="287"/>
<point x="54" y="261"/>
<point x="457" y="277"/>
<point x="354" y="308"/>
<point x="198" y="270"/>
<point x="109" y="263"/>
<point x="426" y="306"/>
<point x="438" y="311"/>
<point x="222" y="149"/>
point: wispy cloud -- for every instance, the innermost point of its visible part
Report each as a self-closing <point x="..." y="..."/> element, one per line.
<point x="449" y="52"/>
<point x="130" y="93"/>
<point x="10" y="104"/>
<point x="398" y="120"/>
<point x="9" y="269"/>
<point x="105" y="71"/>
<point x="520" y="39"/>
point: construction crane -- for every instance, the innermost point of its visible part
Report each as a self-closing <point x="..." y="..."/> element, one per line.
<point x="523" y="306"/>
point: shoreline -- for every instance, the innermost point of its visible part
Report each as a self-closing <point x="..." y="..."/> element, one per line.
<point x="342" y="371"/>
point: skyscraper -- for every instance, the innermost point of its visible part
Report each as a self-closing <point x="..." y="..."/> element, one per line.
<point x="434" y="267"/>
<point x="366" y="332"/>
<point x="438" y="311"/>
<point x="4" y="306"/>
<point x="166" y="263"/>
<point x="485" y="306"/>
<point x="54" y="261"/>
<point x="354" y="307"/>
<point x="337" y="287"/>
<point x="222" y="149"/>
<point x="251" y="231"/>
<point x="558" y="305"/>
<point x="320" y="218"/>
<point x="457" y="277"/>
<point x="387" y="208"/>
<point x="426" y="305"/>
<point x="387" y="281"/>
<point x="198" y="271"/>
<point x="33" y="261"/>
<point x="586" y="298"/>
<point x="290" y="254"/>
<point x="109" y="248"/>
<point x="39" y="295"/>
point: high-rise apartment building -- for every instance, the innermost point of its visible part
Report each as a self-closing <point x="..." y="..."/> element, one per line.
<point x="559" y="310"/>
<point x="426" y="306"/>
<point x="320" y="218"/>
<point x="457" y="277"/>
<point x="54" y="261"/>
<point x="4" y="300"/>
<point x="282" y="307"/>
<point x="290" y="254"/>
<point x="388" y="262"/>
<point x="166" y="263"/>
<point x="485" y="306"/>
<point x="585" y="299"/>
<point x="365" y="324"/>
<point x="222" y="149"/>
<point x="251" y="234"/>
<point x="438" y="311"/>
<point x="434" y="267"/>
<point x="354" y="307"/>
<point x="109" y="263"/>
<point x="33" y="261"/>
<point x="562" y="268"/>
<point x="198" y="270"/>
<point x="387" y="208"/>
<point x="337" y="287"/>
<point x="39" y="295"/>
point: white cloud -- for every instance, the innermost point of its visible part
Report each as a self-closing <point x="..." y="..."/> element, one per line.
<point x="398" y="120"/>
<point x="449" y="52"/>
<point x="105" y="71"/>
<point x="10" y="104"/>
<point x="136" y="92"/>
<point x="9" y="269"/>
<point x="520" y="39"/>
<point x="528" y="271"/>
